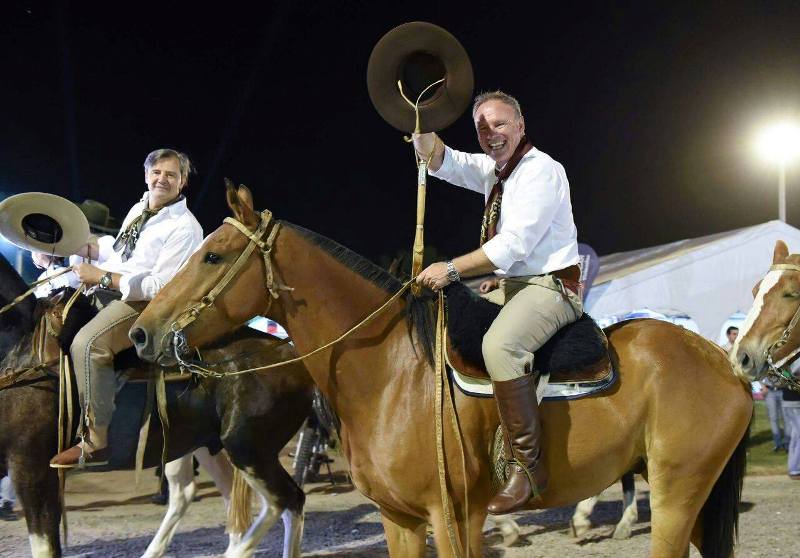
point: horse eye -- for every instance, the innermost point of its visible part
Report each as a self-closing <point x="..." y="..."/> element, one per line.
<point x="212" y="258"/>
<point x="793" y="294"/>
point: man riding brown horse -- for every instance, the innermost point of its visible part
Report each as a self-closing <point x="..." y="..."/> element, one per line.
<point x="158" y="236"/>
<point x="529" y="240"/>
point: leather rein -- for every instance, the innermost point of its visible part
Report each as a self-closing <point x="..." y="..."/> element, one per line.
<point x="257" y="240"/>
<point x="775" y="368"/>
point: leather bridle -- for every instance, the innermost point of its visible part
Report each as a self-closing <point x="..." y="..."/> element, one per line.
<point x="263" y="238"/>
<point x="775" y="368"/>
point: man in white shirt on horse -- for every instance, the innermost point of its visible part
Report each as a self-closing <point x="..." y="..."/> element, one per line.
<point x="529" y="240"/>
<point x="158" y="235"/>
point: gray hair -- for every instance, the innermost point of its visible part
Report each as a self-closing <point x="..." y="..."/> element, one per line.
<point x="496" y="96"/>
<point x="183" y="161"/>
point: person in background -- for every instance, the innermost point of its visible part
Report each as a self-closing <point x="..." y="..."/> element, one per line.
<point x="731" y="333"/>
<point x="777" y="419"/>
<point x="791" y="415"/>
<point x="7" y="499"/>
<point x="100" y="224"/>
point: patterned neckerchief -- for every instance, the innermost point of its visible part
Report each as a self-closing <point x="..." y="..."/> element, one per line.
<point x="491" y="213"/>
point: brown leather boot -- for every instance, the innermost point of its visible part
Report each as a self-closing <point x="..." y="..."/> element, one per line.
<point x="519" y="413"/>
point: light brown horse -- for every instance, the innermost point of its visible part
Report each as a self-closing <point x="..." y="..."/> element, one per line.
<point x="678" y="413"/>
<point x="769" y="329"/>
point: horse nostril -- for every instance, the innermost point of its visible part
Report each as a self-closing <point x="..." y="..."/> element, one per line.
<point x="138" y="336"/>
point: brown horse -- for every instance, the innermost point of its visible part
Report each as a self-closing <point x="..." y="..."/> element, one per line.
<point x="769" y="329"/>
<point x="252" y="416"/>
<point x="678" y="413"/>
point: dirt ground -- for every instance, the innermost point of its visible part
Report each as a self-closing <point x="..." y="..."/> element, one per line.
<point x="108" y="518"/>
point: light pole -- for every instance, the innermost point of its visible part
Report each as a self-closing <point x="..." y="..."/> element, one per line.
<point x="780" y="144"/>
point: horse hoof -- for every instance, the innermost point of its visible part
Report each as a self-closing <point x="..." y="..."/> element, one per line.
<point x="579" y="529"/>
<point x="510" y="532"/>
<point x="622" y="532"/>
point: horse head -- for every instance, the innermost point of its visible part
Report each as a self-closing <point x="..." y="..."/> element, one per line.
<point x="768" y="335"/>
<point x="195" y="307"/>
<point x="19" y="319"/>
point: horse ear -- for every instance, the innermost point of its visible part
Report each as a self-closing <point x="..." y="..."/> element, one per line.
<point x="755" y="289"/>
<point x="230" y="196"/>
<point x="246" y="213"/>
<point x="781" y="252"/>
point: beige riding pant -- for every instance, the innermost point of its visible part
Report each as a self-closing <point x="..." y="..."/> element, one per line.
<point x="534" y="309"/>
<point x="93" y="351"/>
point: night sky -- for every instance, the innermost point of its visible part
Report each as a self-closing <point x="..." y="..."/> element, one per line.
<point x="652" y="110"/>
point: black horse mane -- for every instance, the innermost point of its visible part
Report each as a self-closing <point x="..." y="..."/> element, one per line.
<point x="419" y="311"/>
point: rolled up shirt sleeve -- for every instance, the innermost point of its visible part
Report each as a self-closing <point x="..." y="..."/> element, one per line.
<point x="527" y="212"/>
<point x="178" y="247"/>
<point x="468" y="170"/>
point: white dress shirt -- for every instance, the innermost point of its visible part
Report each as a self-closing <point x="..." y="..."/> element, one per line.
<point x="165" y="242"/>
<point x="536" y="233"/>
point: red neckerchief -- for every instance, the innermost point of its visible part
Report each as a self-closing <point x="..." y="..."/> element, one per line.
<point x="491" y="213"/>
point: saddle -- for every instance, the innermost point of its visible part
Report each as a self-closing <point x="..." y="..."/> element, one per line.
<point x="575" y="361"/>
<point x="82" y="310"/>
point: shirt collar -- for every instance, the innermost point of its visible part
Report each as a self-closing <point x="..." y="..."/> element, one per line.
<point x="176" y="209"/>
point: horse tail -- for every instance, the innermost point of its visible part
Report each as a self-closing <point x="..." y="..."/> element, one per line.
<point x="720" y="513"/>
<point x="240" y="511"/>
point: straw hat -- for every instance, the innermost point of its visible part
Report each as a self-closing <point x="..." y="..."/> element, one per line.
<point x="43" y="222"/>
<point x="418" y="54"/>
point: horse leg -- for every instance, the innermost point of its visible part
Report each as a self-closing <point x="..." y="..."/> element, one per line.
<point x="441" y="535"/>
<point x="180" y="477"/>
<point x="580" y="522"/>
<point x="279" y="495"/>
<point x="405" y="535"/>
<point x="477" y="518"/>
<point x="676" y="498"/>
<point x="221" y="471"/>
<point x="37" y="491"/>
<point x="630" y="514"/>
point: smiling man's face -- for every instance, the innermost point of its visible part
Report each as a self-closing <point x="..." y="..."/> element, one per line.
<point x="164" y="181"/>
<point x="499" y="130"/>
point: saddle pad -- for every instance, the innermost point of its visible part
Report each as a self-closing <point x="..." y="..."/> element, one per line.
<point x="545" y="390"/>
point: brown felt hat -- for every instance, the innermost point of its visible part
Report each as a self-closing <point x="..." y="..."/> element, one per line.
<point x="418" y="54"/>
<point x="42" y="222"/>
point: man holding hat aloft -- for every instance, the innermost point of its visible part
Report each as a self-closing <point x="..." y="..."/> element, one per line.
<point x="157" y="237"/>
<point x="529" y="240"/>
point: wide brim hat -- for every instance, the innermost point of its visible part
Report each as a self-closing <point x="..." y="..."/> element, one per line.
<point x="99" y="216"/>
<point x="418" y="54"/>
<point x="42" y="222"/>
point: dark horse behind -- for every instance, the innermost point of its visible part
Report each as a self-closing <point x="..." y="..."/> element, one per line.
<point x="251" y="416"/>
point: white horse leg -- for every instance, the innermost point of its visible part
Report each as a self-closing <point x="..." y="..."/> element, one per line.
<point x="580" y="523"/>
<point x="266" y="519"/>
<point x="509" y="528"/>
<point x="40" y="546"/>
<point x="630" y="514"/>
<point x="292" y="533"/>
<point x="221" y="471"/>
<point x="180" y="477"/>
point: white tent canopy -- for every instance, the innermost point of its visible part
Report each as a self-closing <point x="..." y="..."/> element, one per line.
<point x="707" y="278"/>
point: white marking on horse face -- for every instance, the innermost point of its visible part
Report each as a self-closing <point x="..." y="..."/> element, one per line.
<point x="769" y="281"/>
<point x="40" y="546"/>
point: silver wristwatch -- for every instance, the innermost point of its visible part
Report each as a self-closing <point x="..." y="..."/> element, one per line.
<point x="106" y="280"/>
<point x="452" y="272"/>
